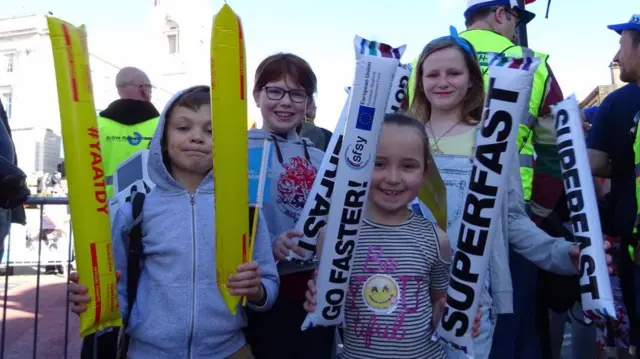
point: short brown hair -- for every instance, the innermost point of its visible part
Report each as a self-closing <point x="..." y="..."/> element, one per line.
<point x="276" y="67"/>
<point x="192" y="98"/>
<point x="480" y="14"/>
<point x="420" y="107"/>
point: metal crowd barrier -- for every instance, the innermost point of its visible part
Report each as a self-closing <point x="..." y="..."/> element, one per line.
<point x="13" y="244"/>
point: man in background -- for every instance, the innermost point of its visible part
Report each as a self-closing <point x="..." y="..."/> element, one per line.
<point x="127" y="124"/>
<point x="611" y="155"/>
<point x="318" y="135"/>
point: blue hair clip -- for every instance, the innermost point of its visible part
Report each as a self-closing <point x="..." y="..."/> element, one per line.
<point x="453" y="35"/>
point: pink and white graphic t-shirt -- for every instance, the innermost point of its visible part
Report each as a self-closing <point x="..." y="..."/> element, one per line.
<point x="388" y="311"/>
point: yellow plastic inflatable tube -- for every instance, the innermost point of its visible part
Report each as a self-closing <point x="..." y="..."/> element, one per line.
<point x="230" y="148"/>
<point x="85" y="174"/>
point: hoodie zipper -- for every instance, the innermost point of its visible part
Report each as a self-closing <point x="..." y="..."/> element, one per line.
<point x="193" y="273"/>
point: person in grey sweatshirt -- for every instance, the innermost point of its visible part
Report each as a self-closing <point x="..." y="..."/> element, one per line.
<point x="283" y="90"/>
<point x="179" y="311"/>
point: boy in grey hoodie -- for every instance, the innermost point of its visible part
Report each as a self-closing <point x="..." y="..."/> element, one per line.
<point x="179" y="311"/>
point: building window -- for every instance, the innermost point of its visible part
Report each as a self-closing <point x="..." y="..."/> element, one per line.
<point x="7" y="102"/>
<point x="172" y="32"/>
<point x="173" y="43"/>
<point x="9" y="62"/>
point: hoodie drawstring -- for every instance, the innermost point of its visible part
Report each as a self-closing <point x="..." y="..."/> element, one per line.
<point x="306" y="151"/>
<point x="279" y="151"/>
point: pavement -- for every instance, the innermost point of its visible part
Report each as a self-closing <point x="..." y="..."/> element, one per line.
<point x="19" y="337"/>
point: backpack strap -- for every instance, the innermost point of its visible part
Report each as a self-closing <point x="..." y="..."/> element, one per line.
<point x="134" y="254"/>
<point x="134" y="263"/>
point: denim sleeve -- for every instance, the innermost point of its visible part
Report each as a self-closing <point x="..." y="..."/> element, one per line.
<point x="263" y="255"/>
<point x="548" y="253"/>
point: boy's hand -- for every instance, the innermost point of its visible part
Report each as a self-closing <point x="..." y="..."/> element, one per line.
<point x="283" y="244"/>
<point x="310" y="304"/>
<point x="78" y="293"/>
<point x="247" y="282"/>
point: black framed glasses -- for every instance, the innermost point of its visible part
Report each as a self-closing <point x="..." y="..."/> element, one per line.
<point x="514" y="14"/>
<point x="277" y="94"/>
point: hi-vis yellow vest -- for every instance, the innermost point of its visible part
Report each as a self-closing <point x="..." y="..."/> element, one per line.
<point x="636" y="151"/>
<point x="486" y="42"/>
<point x="120" y="141"/>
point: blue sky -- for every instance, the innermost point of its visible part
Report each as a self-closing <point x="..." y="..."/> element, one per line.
<point x="321" y="31"/>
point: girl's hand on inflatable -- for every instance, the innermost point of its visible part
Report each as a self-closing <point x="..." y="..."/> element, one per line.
<point x="78" y="293"/>
<point x="574" y="253"/>
<point x="284" y="244"/>
<point x="310" y="304"/>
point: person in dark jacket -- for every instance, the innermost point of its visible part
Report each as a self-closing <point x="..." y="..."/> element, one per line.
<point x="319" y="136"/>
<point x="13" y="189"/>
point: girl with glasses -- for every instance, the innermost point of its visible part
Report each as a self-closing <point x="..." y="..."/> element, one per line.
<point x="283" y="90"/>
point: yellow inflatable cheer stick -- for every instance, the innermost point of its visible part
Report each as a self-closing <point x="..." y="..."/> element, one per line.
<point x="85" y="173"/>
<point x="230" y="148"/>
<point x="434" y="194"/>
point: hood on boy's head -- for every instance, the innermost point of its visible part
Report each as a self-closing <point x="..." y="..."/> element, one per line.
<point x="158" y="159"/>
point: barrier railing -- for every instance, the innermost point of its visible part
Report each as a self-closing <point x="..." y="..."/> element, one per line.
<point x="36" y="257"/>
<point x="40" y="245"/>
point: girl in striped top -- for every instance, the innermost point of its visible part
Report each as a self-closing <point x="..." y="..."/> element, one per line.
<point x="400" y="270"/>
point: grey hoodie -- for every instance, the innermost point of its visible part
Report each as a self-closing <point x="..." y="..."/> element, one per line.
<point x="294" y="164"/>
<point x="179" y="311"/>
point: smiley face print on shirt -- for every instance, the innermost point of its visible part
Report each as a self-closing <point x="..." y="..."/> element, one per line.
<point x="381" y="293"/>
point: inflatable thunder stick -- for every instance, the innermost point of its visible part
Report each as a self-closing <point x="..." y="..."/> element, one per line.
<point x="376" y="65"/>
<point x="506" y="105"/>
<point x="398" y="99"/>
<point x="230" y="148"/>
<point x="315" y="211"/>
<point x="87" y="191"/>
<point x="595" y="287"/>
<point x="433" y="193"/>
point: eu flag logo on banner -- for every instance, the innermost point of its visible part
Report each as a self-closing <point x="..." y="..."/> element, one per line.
<point x="365" y="118"/>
